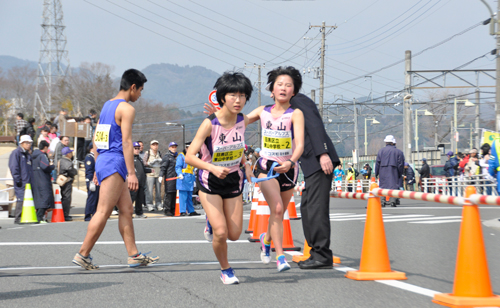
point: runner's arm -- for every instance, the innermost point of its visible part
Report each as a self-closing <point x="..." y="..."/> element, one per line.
<point x="94" y="150"/>
<point x="127" y="115"/>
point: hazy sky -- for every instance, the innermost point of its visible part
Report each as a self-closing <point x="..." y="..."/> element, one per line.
<point x="225" y="34"/>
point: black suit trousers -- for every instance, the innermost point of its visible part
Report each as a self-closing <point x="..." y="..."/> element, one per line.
<point x="139" y="198"/>
<point x="315" y="211"/>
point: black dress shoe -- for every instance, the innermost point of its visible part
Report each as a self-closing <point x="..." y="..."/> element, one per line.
<point x="69" y="218"/>
<point x="306" y="260"/>
<point x="169" y="214"/>
<point x="311" y="264"/>
<point x="183" y="214"/>
<point x="194" y="214"/>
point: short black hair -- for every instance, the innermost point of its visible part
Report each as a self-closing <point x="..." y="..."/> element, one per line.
<point x="45" y="128"/>
<point x="87" y="117"/>
<point x="48" y="123"/>
<point x="232" y="82"/>
<point x="20" y="115"/>
<point x="130" y="77"/>
<point x="140" y="142"/>
<point x="55" y="126"/>
<point x="290" y="71"/>
<point x="62" y="137"/>
<point x="92" y="111"/>
<point x="31" y="120"/>
<point x="485" y="149"/>
<point x="43" y="144"/>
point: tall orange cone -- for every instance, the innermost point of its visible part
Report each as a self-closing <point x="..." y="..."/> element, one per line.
<point x="307" y="254"/>
<point x="177" y="206"/>
<point x="262" y="220"/>
<point x="58" y="213"/>
<point x="253" y="210"/>
<point x="358" y="188"/>
<point x="339" y="185"/>
<point x="292" y="210"/>
<point x="287" y="243"/>
<point x="375" y="264"/>
<point x="28" y="215"/>
<point x="472" y="285"/>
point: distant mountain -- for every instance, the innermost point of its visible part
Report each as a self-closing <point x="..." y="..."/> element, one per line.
<point x="8" y="62"/>
<point x="186" y="86"/>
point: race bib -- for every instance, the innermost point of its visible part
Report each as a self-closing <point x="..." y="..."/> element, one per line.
<point x="228" y="156"/>
<point x="101" y="138"/>
<point x="277" y="143"/>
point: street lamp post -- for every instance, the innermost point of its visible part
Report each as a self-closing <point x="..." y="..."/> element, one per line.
<point x="183" y="131"/>
<point x="467" y="104"/>
<point x="374" y="121"/>
<point x="427" y="113"/>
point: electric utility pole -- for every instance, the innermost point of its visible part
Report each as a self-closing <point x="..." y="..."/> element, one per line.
<point x="406" y="108"/>
<point x="322" y="68"/>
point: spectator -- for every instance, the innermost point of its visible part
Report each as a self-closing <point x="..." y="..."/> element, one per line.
<point x="65" y="167"/>
<point x="29" y="129"/>
<point x="92" y="188"/>
<point x="20" y="124"/>
<point x="425" y="172"/>
<point x="42" y="185"/>
<point x="368" y="171"/>
<point x="185" y="183"/>
<point x="22" y="172"/>
<point x="409" y="177"/>
<point x="53" y="134"/>
<point x="138" y="196"/>
<point x="47" y="124"/>
<point x="93" y="119"/>
<point x="168" y="171"/>
<point x="493" y="163"/>
<point x="152" y="159"/>
<point x="389" y="167"/>
<point x="338" y="173"/>
<point x="64" y="142"/>
<point x="141" y="152"/>
<point x="449" y="166"/>
<point x="472" y="167"/>
<point x="484" y="165"/>
<point x="61" y="117"/>
<point x="350" y="177"/>
<point x="44" y="136"/>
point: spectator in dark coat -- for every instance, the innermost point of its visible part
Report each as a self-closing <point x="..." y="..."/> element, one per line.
<point x="29" y="129"/>
<point x="449" y="166"/>
<point x="138" y="196"/>
<point x="92" y="189"/>
<point x="42" y="185"/>
<point x="409" y="176"/>
<point x="368" y="169"/>
<point x="390" y="165"/>
<point x="66" y="168"/>
<point x="167" y="170"/>
<point x="22" y="172"/>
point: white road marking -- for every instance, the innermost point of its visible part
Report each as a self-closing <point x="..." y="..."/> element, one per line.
<point x="395" y="283"/>
<point x="123" y="265"/>
<point x="113" y="243"/>
<point x="435" y="221"/>
<point x="439" y="208"/>
<point x="425" y="218"/>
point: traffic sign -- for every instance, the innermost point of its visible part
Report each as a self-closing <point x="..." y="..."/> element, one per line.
<point x="212" y="99"/>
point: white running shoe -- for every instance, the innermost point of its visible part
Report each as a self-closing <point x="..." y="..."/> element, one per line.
<point x="114" y="212"/>
<point x="282" y="264"/>
<point x="265" y="254"/>
<point x="227" y="276"/>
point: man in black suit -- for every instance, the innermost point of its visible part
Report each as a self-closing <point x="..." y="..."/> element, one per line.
<point x="317" y="162"/>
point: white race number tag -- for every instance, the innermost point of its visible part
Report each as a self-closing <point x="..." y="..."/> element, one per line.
<point x="101" y="138"/>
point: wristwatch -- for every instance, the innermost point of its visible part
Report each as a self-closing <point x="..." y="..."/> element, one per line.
<point x="293" y="164"/>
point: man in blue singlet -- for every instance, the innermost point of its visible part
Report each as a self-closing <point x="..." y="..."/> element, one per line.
<point x="115" y="171"/>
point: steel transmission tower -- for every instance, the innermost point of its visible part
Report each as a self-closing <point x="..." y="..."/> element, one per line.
<point x="53" y="64"/>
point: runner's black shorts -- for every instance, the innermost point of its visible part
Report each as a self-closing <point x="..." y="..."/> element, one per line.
<point x="284" y="182"/>
<point x="230" y="187"/>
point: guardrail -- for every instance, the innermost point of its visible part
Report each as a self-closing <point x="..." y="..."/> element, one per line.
<point x="472" y="285"/>
<point x="456" y="185"/>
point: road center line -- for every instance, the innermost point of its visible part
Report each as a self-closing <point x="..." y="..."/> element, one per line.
<point x="114" y="243"/>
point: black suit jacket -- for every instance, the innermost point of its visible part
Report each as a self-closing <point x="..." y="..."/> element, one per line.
<point x="316" y="140"/>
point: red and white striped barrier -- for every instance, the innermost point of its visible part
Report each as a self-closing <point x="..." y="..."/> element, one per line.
<point x="350" y="195"/>
<point x="419" y="196"/>
<point x="481" y="199"/>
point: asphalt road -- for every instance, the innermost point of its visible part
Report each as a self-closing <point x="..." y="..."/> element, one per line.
<point x="36" y="268"/>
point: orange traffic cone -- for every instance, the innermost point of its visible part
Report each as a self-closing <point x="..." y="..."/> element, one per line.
<point x="372" y="180"/>
<point x="177" y="206"/>
<point x="472" y="285"/>
<point x="287" y="243"/>
<point x="358" y="188"/>
<point x="253" y="211"/>
<point x="262" y="220"/>
<point x="339" y="185"/>
<point x="58" y="213"/>
<point x="307" y="254"/>
<point x="375" y="264"/>
<point x="292" y="210"/>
